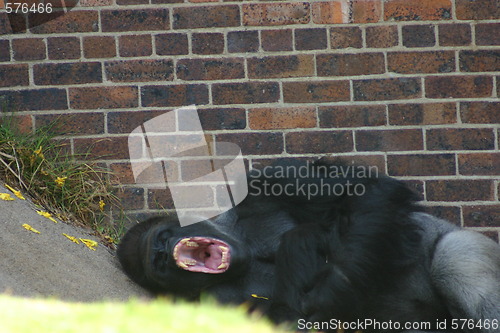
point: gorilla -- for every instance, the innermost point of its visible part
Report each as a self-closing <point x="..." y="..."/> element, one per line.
<point x="322" y="250"/>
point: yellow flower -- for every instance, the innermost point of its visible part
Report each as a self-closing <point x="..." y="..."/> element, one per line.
<point x="16" y="193"/>
<point x="89" y="243"/>
<point x="71" y="238"/>
<point x="60" y="181"/>
<point x="47" y="215"/>
<point x="39" y="152"/>
<point x="6" y="197"/>
<point x="101" y="205"/>
<point x="30" y="228"/>
<point x="257" y="296"/>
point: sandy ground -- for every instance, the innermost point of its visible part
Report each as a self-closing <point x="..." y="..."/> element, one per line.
<point x="49" y="264"/>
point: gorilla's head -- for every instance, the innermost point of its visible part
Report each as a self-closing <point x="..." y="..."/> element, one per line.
<point x="159" y="254"/>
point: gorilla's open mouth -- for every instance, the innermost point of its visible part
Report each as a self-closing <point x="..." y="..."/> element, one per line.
<point x="202" y="254"/>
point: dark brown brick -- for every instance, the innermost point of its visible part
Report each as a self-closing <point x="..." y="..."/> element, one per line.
<point x="374" y="163"/>
<point x="477" y="10"/>
<point x="386" y="89"/>
<point x="454" y="34"/>
<point x="208" y="43"/>
<point x="14" y="75"/>
<point x="70" y="22"/>
<point x="222" y="118"/>
<point x="351" y="116"/>
<point x="140" y="70"/>
<point x="385" y="36"/>
<point x="132" y="2"/>
<point x="131" y="197"/>
<point x="310" y="39"/>
<point x="135" y="20"/>
<point x="172" y="44"/>
<point x="126" y="122"/>
<point x="135" y="46"/>
<point x="67" y="73"/>
<point x="99" y="47"/>
<point x="350" y="64"/>
<point x="480" y="112"/>
<point x="480" y="61"/>
<point x="422" y="114"/>
<point x="482" y="216"/>
<point x="421" y="62"/>
<point x="277" y="40"/>
<point x="122" y="173"/>
<point x="74" y="124"/>
<point x="448" y="213"/>
<point x="63" y="48"/>
<point x="418" y="36"/>
<point x="459" y="190"/>
<point x="40" y="99"/>
<point x="316" y="91"/>
<point x="210" y="69"/>
<point x="176" y="95"/>
<point x="459" y="139"/>
<point x="4" y="50"/>
<point x="281" y="66"/>
<point x="421" y="165"/>
<point x="318" y="142"/>
<point x="102" y="148"/>
<point x="389" y="140"/>
<point x="206" y="17"/>
<point x="242" y="41"/>
<point x="255" y="143"/>
<point x="488" y="33"/>
<point x="458" y="86"/>
<point x="344" y="37"/>
<point x="275" y="13"/>
<point x="417" y="10"/>
<point x="245" y="93"/>
<point x="282" y="118"/>
<point x="160" y="199"/>
<point x="29" y="49"/>
<point x="12" y="23"/>
<point x="103" y="97"/>
<point x="166" y="1"/>
<point x="479" y="164"/>
<point x="5" y="24"/>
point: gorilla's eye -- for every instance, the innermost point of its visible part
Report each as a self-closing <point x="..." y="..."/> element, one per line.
<point x="203" y="255"/>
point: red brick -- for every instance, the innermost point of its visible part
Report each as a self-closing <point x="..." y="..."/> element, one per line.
<point x="282" y="118"/>
<point x="359" y="11"/>
<point x="384" y="36"/>
<point x="329" y="12"/>
<point x="242" y="41"/>
<point x="418" y="36"/>
<point x="310" y="39"/>
<point x="67" y="73"/>
<point x="277" y="40"/>
<point x="482" y="216"/>
<point x="350" y="64"/>
<point x="64" y="48"/>
<point x="99" y="47"/>
<point x="363" y="11"/>
<point x="421" y="62"/>
<point x="344" y="37"/>
<point x="480" y="61"/>
<point x="103" y="97"/>
<point x="389" y="140"/>
<point x="487" y="164"/>
<point x="135" y="20"/>
<point x="421" y="165"/>
<point x="477" y="10"/>
<point x="386" y="89"/>
<point x="72" y="124"/>
<point x="23" y="124"/>
<point x="206" y="17"/>
<point x="135" y="46"/>
<point x="459" y="190"/>
<point x="417" y="10"/>
<point x="318" y="142"/>
<point x="102" y="148"/>
<point x="422" y="114"/>
<point x="488" y="34"/>
<point x="281" y="66"/>
<point x="40" y="99"/>
<point x="122" y="173"/>
<point x="172" y="44"/>
<point x="4" y="50"/>
<point x="29" y="49"/>
<point x="210" y="69"/>
<point x="176" y="95"/>
<point x="255" y="143"/>
<point x="454" y="34"/>
<point x="460" y="139"/>
<point x="70" y="22"/>
<point x="480" y="112"/>
<point x="245" y="93"/>
<point x="316" y="91"/>
<point x="458" y="86"/>
<point x="140" y="70"/>
<point x="275" y="13"/>
<point x="14" y="75"/>
<point x="351" y="116"/>
<point x="208" y="43"/>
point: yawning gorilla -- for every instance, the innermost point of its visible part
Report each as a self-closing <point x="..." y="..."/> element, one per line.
<point x="316" y="247"/>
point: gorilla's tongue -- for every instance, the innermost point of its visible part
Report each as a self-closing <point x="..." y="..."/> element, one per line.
<point x="202" y="254"/>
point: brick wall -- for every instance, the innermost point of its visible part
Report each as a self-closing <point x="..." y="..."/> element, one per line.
<point x="411" y="86"/>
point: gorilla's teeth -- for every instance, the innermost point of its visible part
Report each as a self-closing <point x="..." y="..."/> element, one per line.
<point x="190" y="262"/>
<point x="221" y="266"/>
<point x="176" y="253"/>
<point x="182" y="264"/>
<point x="192" y="244"/>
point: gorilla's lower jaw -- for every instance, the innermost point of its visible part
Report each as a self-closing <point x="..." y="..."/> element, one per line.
<point x="202" y="255"/>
